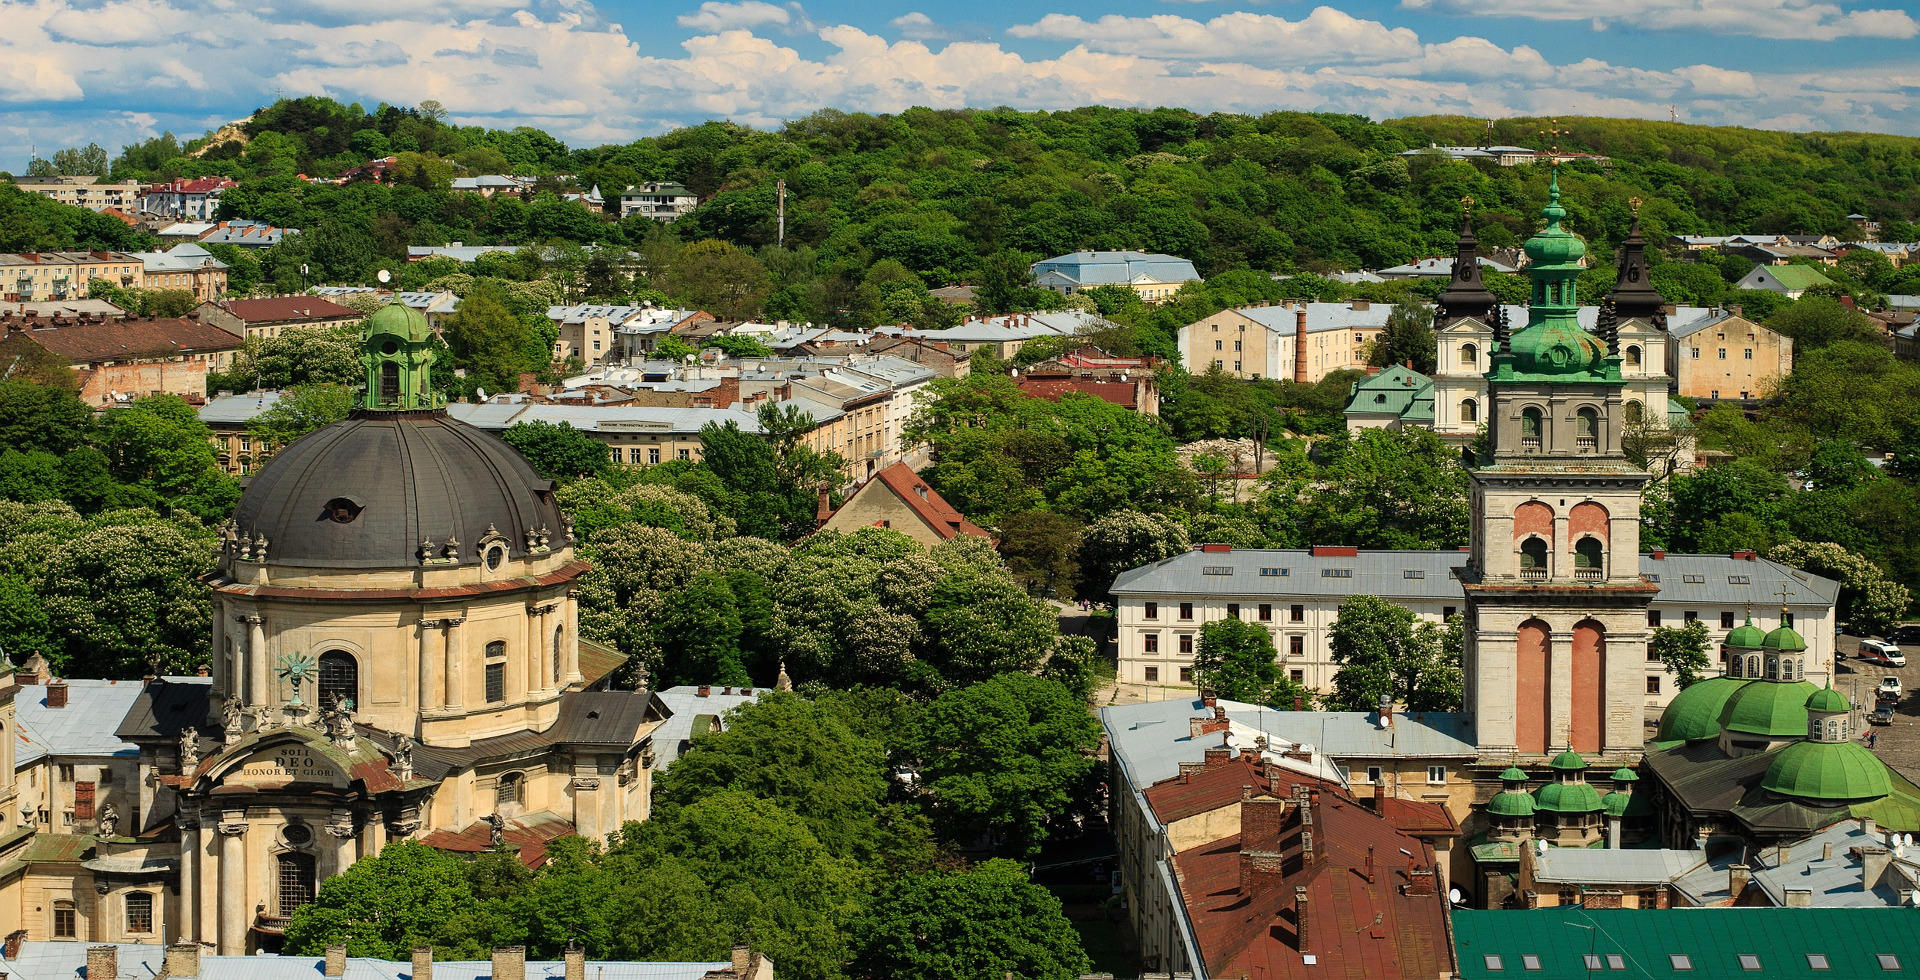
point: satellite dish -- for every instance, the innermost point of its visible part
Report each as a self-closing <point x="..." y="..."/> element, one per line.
<point x="1454" y="896"/>
<point x="1540" y="847"/>
<point x="384" y="277"/>
<point x="480" y="393"/>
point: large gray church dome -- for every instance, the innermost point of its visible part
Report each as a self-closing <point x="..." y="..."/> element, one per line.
<point x="390" y="489"/>
<point x="398" y="484"/>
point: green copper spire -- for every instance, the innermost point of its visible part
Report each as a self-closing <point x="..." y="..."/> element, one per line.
<point x="1555" y="253"/>
<point x="397" y="352"/>
<point x="1553" y="347"/>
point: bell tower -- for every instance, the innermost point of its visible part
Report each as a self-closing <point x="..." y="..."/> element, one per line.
<point x="1556" y="605"/>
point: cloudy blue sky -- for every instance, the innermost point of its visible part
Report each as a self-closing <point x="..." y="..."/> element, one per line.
<point x="596" y="71"/>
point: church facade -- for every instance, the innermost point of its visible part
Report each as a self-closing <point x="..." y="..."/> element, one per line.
<point x="395" y="655"/>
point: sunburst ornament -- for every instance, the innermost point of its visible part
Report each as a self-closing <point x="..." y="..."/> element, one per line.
<point x="295" y="669"/>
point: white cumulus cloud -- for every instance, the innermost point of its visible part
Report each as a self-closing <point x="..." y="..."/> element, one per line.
<point x="1793" y="20"/>
<point x="718" y="16"/>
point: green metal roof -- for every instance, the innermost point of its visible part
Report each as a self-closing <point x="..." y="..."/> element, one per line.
<point x="1513" y="774"/>
<point x="1695" y="712"/>
<point x="1773" y="708"/>
<point x="1568" y="798"/>
<point x="1712" y="940"/>
<point x="1396" y="391"/>
<point x="1625" y="775"/>
<point x="1828" y="771"/>
<point x="1828" y="699"/>
<point x="1569" y="761"/>
<point x="1785" y="640"/>
<point x="1798" y="277"/>
<point x="1746" y="636"/>
<point x="1511" y="804"/>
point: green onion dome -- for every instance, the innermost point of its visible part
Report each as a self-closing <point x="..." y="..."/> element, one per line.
<point x="400" y="321"/>
<point x="1831" y="771"/>
<point x="1625" y="775"/>
<point x="1513" y="774"/>
<point x="1772" y="708"/>
<point x="1828" y="700"/>
<point x="1694" y="713"/>
<point x="1746" y="636"/>
<point x="1511" y="803"/>
<point x="1556" y="346"/>
<point x="1567" y="798"/>
<point x="1785" y="640"/>
<point x="1568" y="761"/>
<point x="1554" y="245"/>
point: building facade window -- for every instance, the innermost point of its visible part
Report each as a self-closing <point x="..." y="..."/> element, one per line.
<point x="1653" y="685"/>
<point x="1726" y="620"/>
<point x="1152" y="674"/>
<point x="1186" y="610"/>
<point x="294" y="886"/>
<point x="1297" y="614"/>
<point x="510" y="791"/>
<point x="1151" y="643"/>
<point x="66" y="923"/>
<point x="1296" y="646"/>
<point x="1266" y="612"/>
<point x="139" y="912"/>
<point x="339" y="678"/>
<point x="1233" y="610"/>
<point x="1186" y="644"/>
<point x="1150" y="610"/>
<point x="496" y="671"/>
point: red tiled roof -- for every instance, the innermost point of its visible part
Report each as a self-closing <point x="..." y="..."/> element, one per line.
<point x="1419" y="817"/>
<point x="1356" y="927"/>
<point x="926" y="503"/>
<point x="121" y="338"/>
<point x="1219" y="785"/>
<point x="1117" y="392"/>
<point x="277" y="309"/>
<point x="530" y="833"/>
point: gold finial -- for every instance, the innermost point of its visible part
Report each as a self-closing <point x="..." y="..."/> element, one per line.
<point x="1553" y="132"/>
<point x="1466" y="205"/>
<point x="1634" y="203"/>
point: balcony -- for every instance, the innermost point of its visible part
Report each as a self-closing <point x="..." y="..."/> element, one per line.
<point x="1533" y="575"/>
<point x="1586" y="444"/>
<point x="1588" y="574"/>
<point x="1529" y="444"/>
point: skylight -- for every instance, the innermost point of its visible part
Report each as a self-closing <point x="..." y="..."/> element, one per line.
<point x="1681" y="961"/>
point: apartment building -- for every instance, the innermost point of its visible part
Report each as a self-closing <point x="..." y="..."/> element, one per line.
<point x="30" y="276"/>
<point x="186" y="267"/>
<point x="1297" y="594"/>
<point x="87" y="192"/>
<point x="1723" y="355"/>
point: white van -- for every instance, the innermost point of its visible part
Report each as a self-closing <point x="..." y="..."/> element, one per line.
<point x="1881" y="652"/>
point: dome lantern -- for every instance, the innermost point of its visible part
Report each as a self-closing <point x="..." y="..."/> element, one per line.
<point x="396" y="351"/>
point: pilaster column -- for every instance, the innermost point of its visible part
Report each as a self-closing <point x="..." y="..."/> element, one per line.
<point x="586" y="806"/>
<point x="340" y="828"/>
<point x="455" y="695"/>
<point x="253" y="685"/>
<point x="233" y="885"/>
<point x="541" y="655"/>
<point x="188" y="926"/>
<point x="570" y="613"/>
<point x="1560" y="692"/>
<point x="429" y="698"/>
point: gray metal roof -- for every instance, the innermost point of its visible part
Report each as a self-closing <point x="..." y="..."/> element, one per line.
<point x="68" y="960"/>
<point x="238" y="409"/>
<point x="1628" y="866"/>
<point x="1152" y="738"/>
<point x="1834" y="881"/>
<point x="688" y="706"/>
<point x="86" y="726"/>
<point x="1700" y="579"/>
<point x="1112" y="268"/>
<point x="496" y="416"/>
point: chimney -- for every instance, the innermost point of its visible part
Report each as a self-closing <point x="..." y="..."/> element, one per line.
<point x="1659" y="554"/>
<point x="1218" y="755"/>
<point x="1261" y="818"/>
<point x="337" y="960"/>
<point x="57" y="695"/>
<point x="1826" y="851"/>
<point x="1734" y="308"/>
<point x="183" y="960"/>
<point x="103" y="962"/>
<point x="1208" y="698"/>
<point x="1256" y="865"/>
<point x="705" y="690"/>
<point x="509" y="963"/>
<point x="1380" y="793"/>
<point x="742" y="960"/>
<point x="1300" y="345"/>
<point x="1420" y="881"/>
<point x="1873" y="865"/>
<point x="1369" y="864"/>
<point x="422" y="963"/>
<point x="1384" y="711"/>
<point x="1300" y="923"/>
<point x="1799" y="898"/>
<point x="1737" y="878"/>
<point x="576" y="962"/>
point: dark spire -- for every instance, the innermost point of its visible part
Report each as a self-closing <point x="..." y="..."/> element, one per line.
<point x="1466" y="294"/>
<point x="1633" y="293"/>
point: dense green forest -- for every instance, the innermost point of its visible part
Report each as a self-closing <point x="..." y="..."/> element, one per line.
<point x="966" y="195"/>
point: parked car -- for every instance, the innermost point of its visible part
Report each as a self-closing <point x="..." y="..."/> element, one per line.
<point x="1881" y="652"/>
<point x="1881" y="714"/>
<point x="1848" y="629"/>
<point x="1889" y="689"/>
<point x="1904" y="634"/>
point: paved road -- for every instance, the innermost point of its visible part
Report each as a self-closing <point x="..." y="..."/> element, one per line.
<point x="1898" y="744"/>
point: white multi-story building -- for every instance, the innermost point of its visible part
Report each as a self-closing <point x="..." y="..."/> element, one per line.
<point x="1297" y="593"/>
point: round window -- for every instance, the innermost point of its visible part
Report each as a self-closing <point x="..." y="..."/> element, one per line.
<point x="496" y="555"/>
<point x="389" y="346"/>
<point x="297" y="834"/>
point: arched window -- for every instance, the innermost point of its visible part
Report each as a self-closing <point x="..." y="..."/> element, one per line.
<point x="1533" y="558"/>
<point x="1469" y="355"/>
<point x="1469" y="410"/>
<point x="1586" y="429"/>
<point x="139" y="911"/>
<point x="1633" y="412"/>
<point x="559" y="635"/>
<point x="1773" y="668"/>
<point x="510" y="791"/>
<point x="294" y="884"/>
<point x="1587" y="555"/>
<point x="339" y="675"/>
<point x="389" y="381"/>
<point x="497" y="671"/>
<point x="1530" y="428"/>
<point x="1733" y="667"/>
<point x="1633" y="356"/>
<point x="1753" y="665"/>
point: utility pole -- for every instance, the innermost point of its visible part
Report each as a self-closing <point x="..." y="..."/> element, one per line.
<point x="781" y="186"/>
